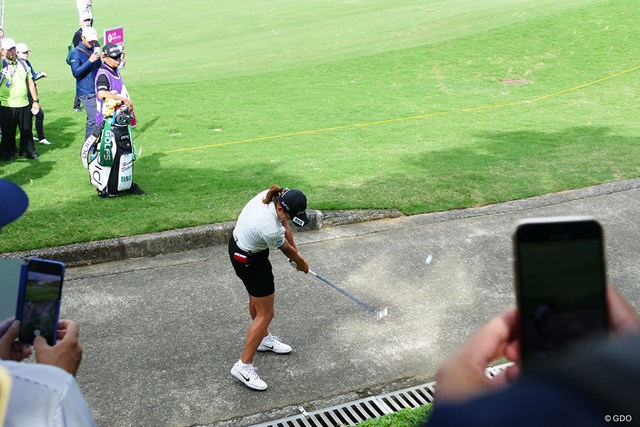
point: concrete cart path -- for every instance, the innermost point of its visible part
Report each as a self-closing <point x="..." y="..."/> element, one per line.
<point x="161" y="333"/>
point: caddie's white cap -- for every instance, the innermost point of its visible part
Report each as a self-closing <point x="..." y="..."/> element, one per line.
<point x="22" y="48"/>
<point x="8" y="44"/>
<point x="90" y="33"/>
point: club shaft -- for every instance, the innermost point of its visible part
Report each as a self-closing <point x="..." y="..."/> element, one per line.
<point x="343" y="292"/>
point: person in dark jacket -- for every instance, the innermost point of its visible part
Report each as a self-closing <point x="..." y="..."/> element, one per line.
<point x="592" y="385"/>
<point x="86" y="20"/>
<point x="85" y="62"/>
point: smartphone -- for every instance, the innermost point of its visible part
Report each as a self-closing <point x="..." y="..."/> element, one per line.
<point x="39" y="300"/>
<point x="560" y="279"/>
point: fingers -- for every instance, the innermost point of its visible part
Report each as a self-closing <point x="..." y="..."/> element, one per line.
<point x="622" y="317"/>
<point x="66" y="353"/>
<point x="463" y="375"/>
<point x="5" y="324"/>
<point x="68" y="330"/>
<point x="8" y="338"/>
<point x="493" y="338"/>
<point x="303" y="266"/>
<point x="40" y="344"/>
<point x="20" y="351"/>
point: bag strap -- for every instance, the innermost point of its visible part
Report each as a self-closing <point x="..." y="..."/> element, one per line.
<point x="84" y="50"/>
<point x="23" y="65"/>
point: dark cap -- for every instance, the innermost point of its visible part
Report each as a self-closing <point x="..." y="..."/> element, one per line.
<point x="14" y="202"/>
<point x="294" y="202"/>
<point x="111" y="50"/>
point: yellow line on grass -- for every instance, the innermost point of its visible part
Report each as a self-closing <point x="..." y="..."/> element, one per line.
<point x="263" y="138"/>
<point x="400" y="119"/>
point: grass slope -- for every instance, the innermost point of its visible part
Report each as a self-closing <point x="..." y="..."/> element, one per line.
<point x="361" y="104"/>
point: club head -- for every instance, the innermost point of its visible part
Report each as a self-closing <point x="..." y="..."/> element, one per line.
<point x="382" y="313"/>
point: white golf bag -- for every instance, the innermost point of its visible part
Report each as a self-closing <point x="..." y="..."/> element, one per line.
<point x="109" y="155"/>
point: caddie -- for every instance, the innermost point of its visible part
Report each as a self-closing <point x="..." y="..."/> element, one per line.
<point x="109" y="86"/>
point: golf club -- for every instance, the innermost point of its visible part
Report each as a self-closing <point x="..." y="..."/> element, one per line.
<point x="383" y="312"/>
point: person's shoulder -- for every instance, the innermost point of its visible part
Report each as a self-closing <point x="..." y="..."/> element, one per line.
<point x="75" y="51"/>
<point x="47" y="375"/>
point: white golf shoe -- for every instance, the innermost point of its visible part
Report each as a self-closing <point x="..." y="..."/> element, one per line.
<point x="273" y="343"/>
<point x="248" y="375"/>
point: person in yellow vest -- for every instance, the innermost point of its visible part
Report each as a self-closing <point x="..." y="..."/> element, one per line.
<point x="15" y="85"/>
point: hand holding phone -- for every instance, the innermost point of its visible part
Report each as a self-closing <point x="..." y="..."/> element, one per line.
<point x="39" y="300"/>
<point x="560" y="285"/>
<point x="66" y="353"/>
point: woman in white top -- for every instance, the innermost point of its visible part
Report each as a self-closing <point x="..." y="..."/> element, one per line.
<point x="84" y="6"/>
<point x="263" y="224"/>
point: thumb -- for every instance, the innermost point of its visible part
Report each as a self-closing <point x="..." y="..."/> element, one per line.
<point x="40" y="343"/>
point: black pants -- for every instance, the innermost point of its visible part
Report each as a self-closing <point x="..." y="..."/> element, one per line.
<point x="10" y="119"/>
<point x="39" y="120"/>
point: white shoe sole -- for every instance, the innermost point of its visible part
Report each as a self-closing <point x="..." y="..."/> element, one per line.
<point x="237" y="375"/>
<point x="264" y="348"/>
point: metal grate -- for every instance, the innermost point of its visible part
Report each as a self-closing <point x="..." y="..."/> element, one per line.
<point x="352" y="413"/>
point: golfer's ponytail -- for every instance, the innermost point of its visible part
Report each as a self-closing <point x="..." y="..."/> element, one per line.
<point x="273" y="195"/>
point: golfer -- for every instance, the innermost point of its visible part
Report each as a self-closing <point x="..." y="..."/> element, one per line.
<point x="263" y="224"/>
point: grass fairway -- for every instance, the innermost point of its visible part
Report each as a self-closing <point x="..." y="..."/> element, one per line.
<point x="362" y="104"/>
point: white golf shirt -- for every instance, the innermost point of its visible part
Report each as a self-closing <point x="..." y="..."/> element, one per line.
<point x="258" y="226"/>
<point x="44" y="396"/>
<point x="83" y="6"/>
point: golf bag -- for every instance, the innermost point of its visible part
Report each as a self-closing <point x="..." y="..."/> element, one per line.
<point x="109" y="155"/>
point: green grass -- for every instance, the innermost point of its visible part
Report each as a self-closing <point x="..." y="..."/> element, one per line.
<point x="377" y="104"/>
<point x="403" y="418"/>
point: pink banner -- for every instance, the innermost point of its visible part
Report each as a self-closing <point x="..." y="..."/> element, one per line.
<point x="114" y="35"/>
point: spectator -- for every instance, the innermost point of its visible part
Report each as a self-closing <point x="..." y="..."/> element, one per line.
<point x="23" y="53"/>
<point x="85" y="62"/>
<point x="598" y="381"/>
<point x="263" y="224"/>
<point x="45" y="393"/>
<point x="84" y="6"/>
<point x="86" y="20"/>
<point x="15" y="85"/>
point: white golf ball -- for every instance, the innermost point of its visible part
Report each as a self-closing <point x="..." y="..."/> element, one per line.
<point x="428" y="260"/>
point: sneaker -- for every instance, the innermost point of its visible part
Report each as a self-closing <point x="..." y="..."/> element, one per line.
<point x="44" y="141"/>
<point x="273" y="343"/>
<point x="77" y="110"/>
<point x="248" y="375"/>
<point x="135" y="189"/>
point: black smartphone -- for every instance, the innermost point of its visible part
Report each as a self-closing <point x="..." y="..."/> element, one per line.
<point x="560" y="278"/>
<point x="39" y="300"/>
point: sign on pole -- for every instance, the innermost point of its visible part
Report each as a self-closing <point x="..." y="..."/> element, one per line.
<point x="114" y="35"/>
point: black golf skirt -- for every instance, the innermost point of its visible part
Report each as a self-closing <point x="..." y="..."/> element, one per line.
<point x="254" y="269"/>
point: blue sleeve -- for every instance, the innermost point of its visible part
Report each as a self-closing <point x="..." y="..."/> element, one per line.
<point x="34" y="75"/>
<point x="524" y="404"/>
<point x="79" y="68"/>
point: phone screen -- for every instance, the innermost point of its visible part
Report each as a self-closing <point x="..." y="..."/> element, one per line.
<point x="561" y="284"/>
<point x="39" y="304"/>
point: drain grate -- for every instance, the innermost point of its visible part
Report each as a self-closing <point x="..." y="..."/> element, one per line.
<point x="355" y="412"/>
